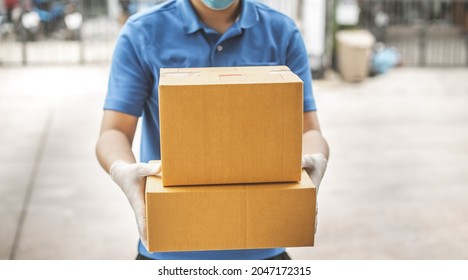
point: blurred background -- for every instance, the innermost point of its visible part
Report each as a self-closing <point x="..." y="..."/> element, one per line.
<point x="391" y="83"/>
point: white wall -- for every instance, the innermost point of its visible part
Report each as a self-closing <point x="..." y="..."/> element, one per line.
<point x="310" y="16"/>
<point x="113" y="8"/>
<point x="313" y="20"/>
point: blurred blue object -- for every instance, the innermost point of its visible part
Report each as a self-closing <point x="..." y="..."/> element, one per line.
<point x="384" y="59"/>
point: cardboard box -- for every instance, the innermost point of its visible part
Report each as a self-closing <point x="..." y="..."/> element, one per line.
<point x="230" y="125"/>
<point x="224" y="217"/>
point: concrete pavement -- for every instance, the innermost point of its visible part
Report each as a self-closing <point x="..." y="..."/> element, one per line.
<point x="396" y="187"/>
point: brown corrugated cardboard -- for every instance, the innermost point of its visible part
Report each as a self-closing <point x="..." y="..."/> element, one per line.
<point x="230" y="125"/>
<point x="192" y="218"/>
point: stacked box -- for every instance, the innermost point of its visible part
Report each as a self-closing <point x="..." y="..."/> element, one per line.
<point x="231" y="144"/>
<point x="218" y="217"/>
<point x="230" y="125"/>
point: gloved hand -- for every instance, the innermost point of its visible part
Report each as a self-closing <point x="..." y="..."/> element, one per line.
<point x="131" y="179"/>
<point x="315" y="166"/>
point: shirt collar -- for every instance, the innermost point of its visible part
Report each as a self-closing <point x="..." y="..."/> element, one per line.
<point x="188" y="17"/>
<point x="248" y="16"/>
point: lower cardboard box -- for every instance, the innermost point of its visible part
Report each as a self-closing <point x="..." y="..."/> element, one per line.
<point x="225" y="217"/>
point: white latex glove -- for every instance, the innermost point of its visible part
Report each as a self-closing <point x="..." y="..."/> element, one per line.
<point x="131" y="179"/>
<point x="315" y="166"/>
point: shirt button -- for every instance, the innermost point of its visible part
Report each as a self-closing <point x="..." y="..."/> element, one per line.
<point x="219" y="48"/>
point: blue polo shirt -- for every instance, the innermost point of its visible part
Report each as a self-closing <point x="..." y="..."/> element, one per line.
<point x="170" y="35"/>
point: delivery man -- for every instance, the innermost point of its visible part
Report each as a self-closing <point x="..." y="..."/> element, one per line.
<point x="194" y="33"/>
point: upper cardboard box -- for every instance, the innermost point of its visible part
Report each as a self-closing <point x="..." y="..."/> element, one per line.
<point x="230" y="125"/>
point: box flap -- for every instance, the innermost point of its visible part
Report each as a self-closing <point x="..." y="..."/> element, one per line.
<point x="227" y="75"/>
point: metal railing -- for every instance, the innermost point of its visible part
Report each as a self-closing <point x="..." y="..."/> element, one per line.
<point x="93" y="44"/>
<point x="425" y="32"/>
<point x="102" y="22"/>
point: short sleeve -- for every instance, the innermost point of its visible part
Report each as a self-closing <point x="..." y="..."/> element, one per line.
<point x="130" y="79"/>
<point x="298" y="61"/>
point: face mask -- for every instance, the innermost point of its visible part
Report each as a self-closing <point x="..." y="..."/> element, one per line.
<point x="218" y="4"/>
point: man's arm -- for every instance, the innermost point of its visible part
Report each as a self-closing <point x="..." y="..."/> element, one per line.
<point x="115" y="138"/>
<point x="114" y="152"/>
<point x="315" y="152"/>
<point x="312" y="140"/>
<point x="314" y="149"/>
